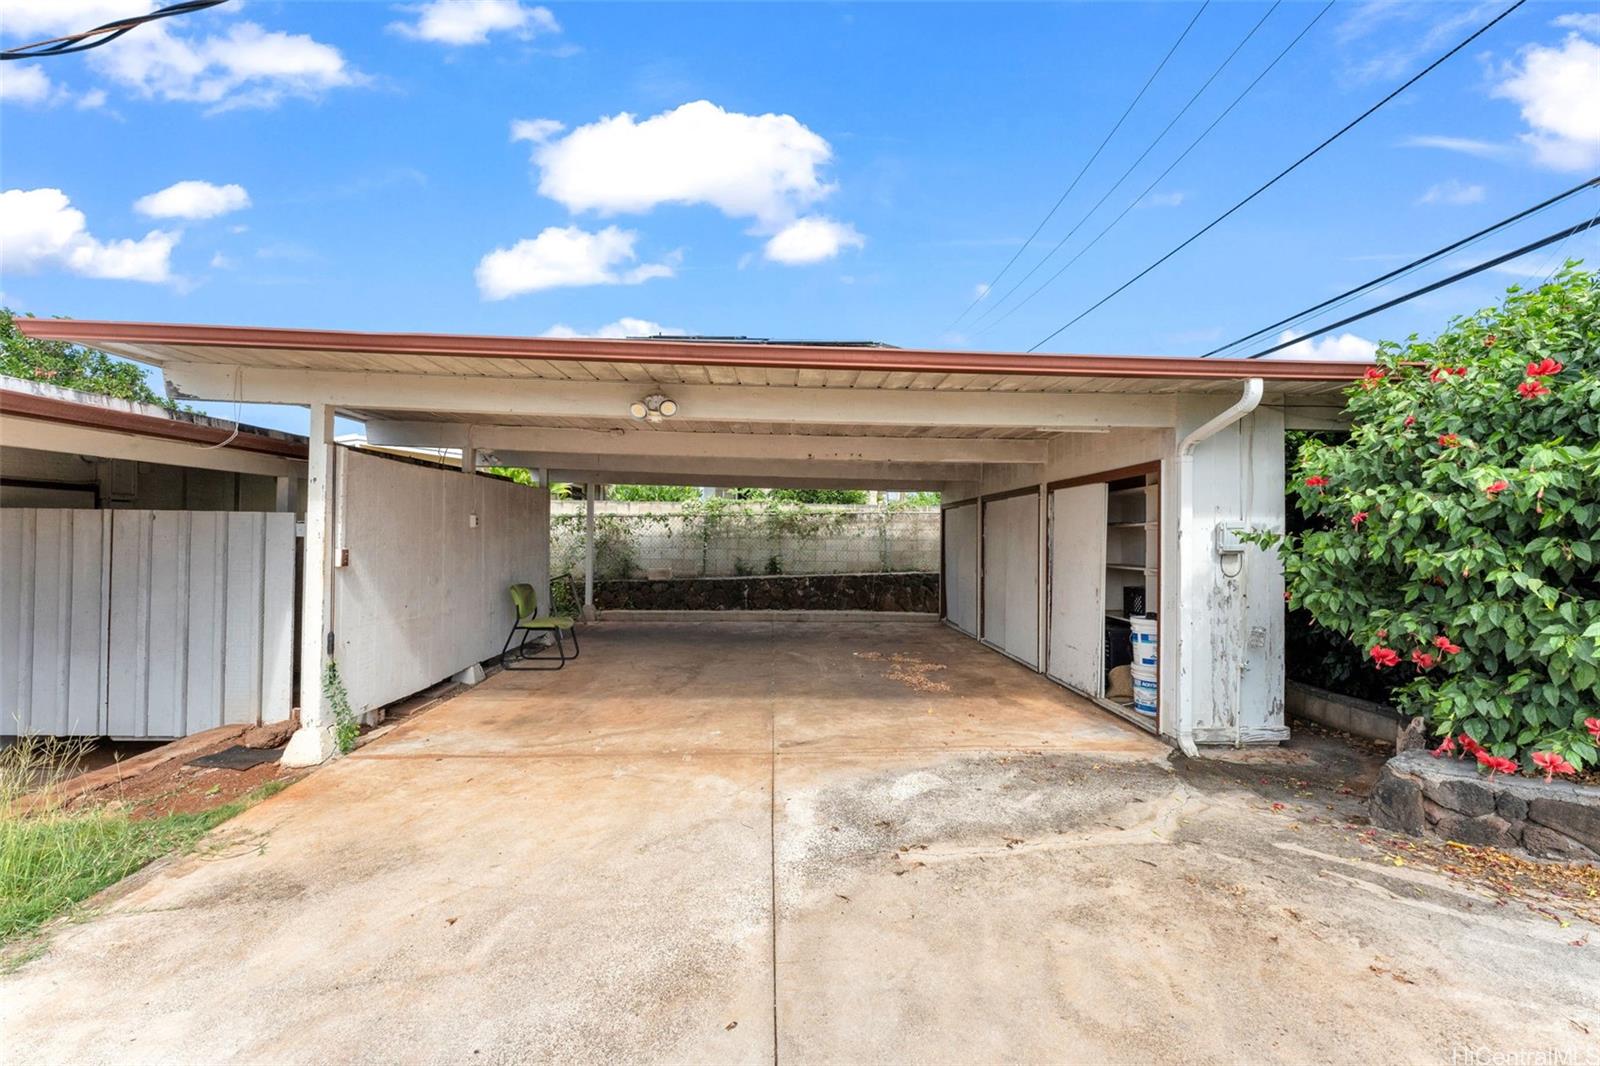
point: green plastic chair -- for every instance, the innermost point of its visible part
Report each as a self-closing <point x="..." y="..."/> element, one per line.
<point x="526" y="601"/>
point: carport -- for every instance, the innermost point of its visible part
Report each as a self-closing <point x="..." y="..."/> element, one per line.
<point x="1077" y="489"/>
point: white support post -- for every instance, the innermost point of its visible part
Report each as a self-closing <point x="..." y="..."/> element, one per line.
<point x="588" y="552"/>
<point x="283" y="494"/>
<point x="469" y="455"/>
<point x="313" y="743"/>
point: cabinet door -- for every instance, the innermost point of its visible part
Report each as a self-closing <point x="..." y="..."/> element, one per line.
<point x="1011" y="576"/>
<point x="1077" y="588"/>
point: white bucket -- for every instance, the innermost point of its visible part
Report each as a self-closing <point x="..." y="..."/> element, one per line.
<point x="1144" y="641"/>
<point x="1144" y="689"/>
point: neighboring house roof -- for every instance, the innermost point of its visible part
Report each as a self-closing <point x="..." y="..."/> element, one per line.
<point x="38" y="400"/>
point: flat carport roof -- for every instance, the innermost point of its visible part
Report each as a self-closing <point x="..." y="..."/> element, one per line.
<point x="787" y="414"/>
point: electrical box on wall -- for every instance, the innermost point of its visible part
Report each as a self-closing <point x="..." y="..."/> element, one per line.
<point x="472" y="521"/>
<point x="1230" y="539"/>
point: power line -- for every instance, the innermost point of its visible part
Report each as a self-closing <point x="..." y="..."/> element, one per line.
<point x="995" y="305"/>
<point x="1408" y="268"/>
<point x="1085" y="168"/>
<point x="100" y="35"/>
<point x="1451" y="280"/>
<point x="1352" y="124"/>
<point x="1159" y="178"/>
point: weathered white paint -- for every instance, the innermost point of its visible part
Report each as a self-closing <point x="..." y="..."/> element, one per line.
<point x="201" y="621"/>
<point x="961" y="567"/>
<point x="313" y="743"/>
<point x="588" y="551"/>
<point x="1010" y="581"/>
<point x="718" y="403"/>
<point x="1238" y="640"/>
<point x="742" y="471"/>
<point x="81" y="440"/>
<point x="1077" y="626"/>
<point x="145" y="624"/>
<point x="424" y="594"/>
<point x="742" y="446"/>
<point x="53" y="604"/>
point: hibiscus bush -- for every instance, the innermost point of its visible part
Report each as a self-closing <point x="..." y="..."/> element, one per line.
<point x="1454" y="536"/>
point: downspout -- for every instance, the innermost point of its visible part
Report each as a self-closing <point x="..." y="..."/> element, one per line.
<point x="1248" y="401"/>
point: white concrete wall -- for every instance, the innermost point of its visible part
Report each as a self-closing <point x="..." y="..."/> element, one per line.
<point x="424" y="594"/>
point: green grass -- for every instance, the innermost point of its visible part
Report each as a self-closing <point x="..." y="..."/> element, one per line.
<point x="52" y="861"/>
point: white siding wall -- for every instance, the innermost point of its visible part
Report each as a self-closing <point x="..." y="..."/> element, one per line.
<point x="424" y="593"/>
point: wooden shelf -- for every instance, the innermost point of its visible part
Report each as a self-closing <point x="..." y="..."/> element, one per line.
<point x="1129" y="525"/>
<point x="1136" y="568"/>
<point x="1126" y="712"/>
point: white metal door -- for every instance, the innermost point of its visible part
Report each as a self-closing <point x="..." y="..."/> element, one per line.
<point x="961" y="567"/>
<point x="1077" y="588"/>
<point x="1011" y="576"/>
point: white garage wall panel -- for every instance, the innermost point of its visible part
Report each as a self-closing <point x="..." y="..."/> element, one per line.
<point x="1011" y="576"/>
<point x="961" y="567"/>
<point x="201" y="622"/>
<point x="53" y="600"/>
<point x="1077" y="587"/>
<point x="424" y="594"/>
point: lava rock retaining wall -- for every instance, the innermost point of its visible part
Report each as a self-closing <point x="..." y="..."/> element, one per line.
<point x="1448" y="798"/>
<point x="801" y="592"/>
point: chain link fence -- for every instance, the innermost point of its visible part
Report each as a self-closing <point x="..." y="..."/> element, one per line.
<point x="730" y="538"/>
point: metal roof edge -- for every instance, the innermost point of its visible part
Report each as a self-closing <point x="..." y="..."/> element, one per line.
<point x="688" y="353"/>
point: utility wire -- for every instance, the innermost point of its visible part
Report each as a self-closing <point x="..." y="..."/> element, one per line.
<point x="82" y="42"/>
<point x="1451" y="280"/>
<point x="995" y="305"/>
<point x="1408" y="268"/>
<point x="1085" y="168"/>
<point x="1352" y="124"/>
<point x="1159" y="178"/>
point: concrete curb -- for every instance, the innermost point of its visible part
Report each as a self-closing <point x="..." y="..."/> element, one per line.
<point x="1361" y="718"/>
<point x="766" y="616"/>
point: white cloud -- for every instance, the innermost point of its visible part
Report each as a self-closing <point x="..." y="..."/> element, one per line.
<point x="980" y="290"/>
<point x="29" y="85"/>
<point x="247" y="66"/>
<point x="1464" y="145"/>
<point x="1557" y="89"/>
<point x="568" y="256"/>
<point x="45" y="18"/>
<point x="535" y="130"/>
<point x="763" y="167"/>
<point x="40" y="228"/>
<point x="1453" y="193"/>
<point x="24" y="83"/>
<point x="1166" y="199"/>
<point x="811" y="240"/>
<point x="618" y="330"/>
<point x="1581" y="23"/>
<point x="193" y="200"/>
<point x="222" y="262"/>
<point x="471" y="21"/>
<point x="1340" y="346"/>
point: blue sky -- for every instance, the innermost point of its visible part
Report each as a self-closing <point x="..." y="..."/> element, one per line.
<point x="811" y="171"/>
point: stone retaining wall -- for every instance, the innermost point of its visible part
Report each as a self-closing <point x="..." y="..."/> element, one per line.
<point x="809" y="592"/>
<point x="1449" y="798"/>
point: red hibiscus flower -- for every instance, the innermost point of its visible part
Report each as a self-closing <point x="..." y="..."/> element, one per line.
<point x="1372" y="377"/>
<point x="1552" y="764"/>
<point x="1544" y="368"/>
<point x="1470" y="746"/>
<point x="1411" y="420"/>
<point x="1316" y="481"/>
<point x="1424" y="660"/>
<point x="1439" y="373"/>
<point x="1449" y="440"/>
<point x="1460" y="371"/>
<point x="1358" y="518"/>
<point x="1531" y="388"/>
<point x="1495" y="763"/>
<point x="1446" y="748"/>
<point x="1497" y="488"/>
<point x="1382" y="657"/>
<point x="1443" y="644"/>
<point x="1488" y="342"/>
<point x="1593" y="726"/>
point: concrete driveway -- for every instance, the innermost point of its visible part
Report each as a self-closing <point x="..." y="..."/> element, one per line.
<point x="833" y="842"/>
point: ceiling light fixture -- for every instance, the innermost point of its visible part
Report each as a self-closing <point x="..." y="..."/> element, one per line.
<point x="653" y="408"/>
